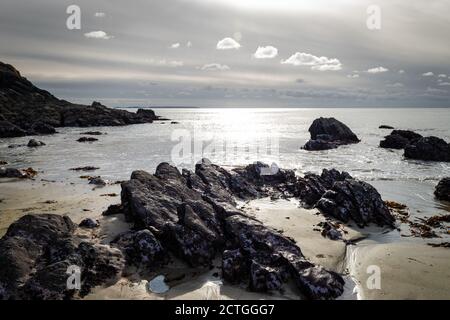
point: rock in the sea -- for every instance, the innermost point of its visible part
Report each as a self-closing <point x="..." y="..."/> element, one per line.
<point x="442" y="191"/>
<point x="384" y="126"/>
<point x="38" y="254"/>
<point x="428" y="148"/>
<point x="28" y="110"/>
<point x="87" y="139"/>
<point x="98" y="181"/>
<point x="33" y="143"/>
<point x="355" y="200"/>
<point x="10" y="173"/>
<point x="329" y="133"/>
<point x="85" y="168"/>
<point x="89" y="223"/>
<point x="399" y="139"/>
<point x="92" y="133"/>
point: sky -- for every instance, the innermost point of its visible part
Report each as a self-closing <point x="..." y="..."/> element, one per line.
<point x="238" y="53"/>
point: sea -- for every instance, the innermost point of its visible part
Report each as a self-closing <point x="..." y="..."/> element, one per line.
<point x="239" y="136"/>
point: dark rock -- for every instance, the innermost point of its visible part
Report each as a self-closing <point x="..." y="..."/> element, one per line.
<point x="37" y="251"/>
<point x="355" y="200"/>
<point x="399" y="139"/>
<point x="193" y="215"/>
<point x="40" y="127"/>
<point x="234" y="266"/>
<point x="272" y="259"/>
<point x="10" y="173"/>
<point x="85" y="168"/>
<point x="8" y="129"/>
<point x="28" y="110"/>
<point x="429" y="148"/>
<point x="35" y="143"/>
<point x="87" y="139"/>
<point x="92" y="133"/>
<point x="98" y="181"/>
<point x="329" y="133"/>
<point x="113" y="209"/>
<point x="89" y="223"/>
<point x="383" y="126"/>
<point x="442" y="191"/>
<point x="330" y="230"/>
<point x="147" y="113"/>
<point x="311" y="187"/>
<point x="141" y="249"/>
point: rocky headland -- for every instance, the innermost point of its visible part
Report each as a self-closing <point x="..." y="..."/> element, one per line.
<point x="28" y="110"/>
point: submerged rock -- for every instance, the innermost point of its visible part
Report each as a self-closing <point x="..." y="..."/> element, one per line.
<point x="429" y="148"/>
<point x="87" y="139"/>
<point x="35" y="143"/>
<point x="10" y="173"/>
<point x="399" y="139"/>
<point x="98" y="181"/>
<point x="442" y="191"/>
<point x="85" y="168"/>
<point x="38" y="254"/>
<point x="329" y="133"/>
<point x="384" y="126"/>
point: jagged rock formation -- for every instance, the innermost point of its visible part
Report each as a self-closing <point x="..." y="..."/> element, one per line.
<point x="27" y="110"/>
<point x="193" y="216"/>
<point x="329" y="133"/>
<point x="37" y="252"/>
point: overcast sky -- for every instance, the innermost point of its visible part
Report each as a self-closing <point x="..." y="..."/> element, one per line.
<point x="233" y="52"/>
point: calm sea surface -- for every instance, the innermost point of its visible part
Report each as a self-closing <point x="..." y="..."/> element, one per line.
<point x="241" y="136"/>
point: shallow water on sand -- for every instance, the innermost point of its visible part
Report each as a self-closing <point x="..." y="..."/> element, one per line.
<point x="236" y="134"/>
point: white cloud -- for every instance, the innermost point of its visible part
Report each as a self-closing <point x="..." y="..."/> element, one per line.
<point x="268" y="52"/>
<point x="188" y="44"/>
<point x="378" y="70"/>
<point x="316" y="63"/>
<point x="99" y="14"/>
<point x="442" y="75"/>
<point x="428" y="74"/>
<point x="98" y="35"/>
<point x="227" y="43"/>
<point x="444" y="84"/>
<point x="215" y="67"/>
<point x="353" y="76"/>
<point x="401" y="71"/>
<point x="175" y="45"/>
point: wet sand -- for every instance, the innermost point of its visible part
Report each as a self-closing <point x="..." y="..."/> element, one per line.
<point x="410" y="269"/>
